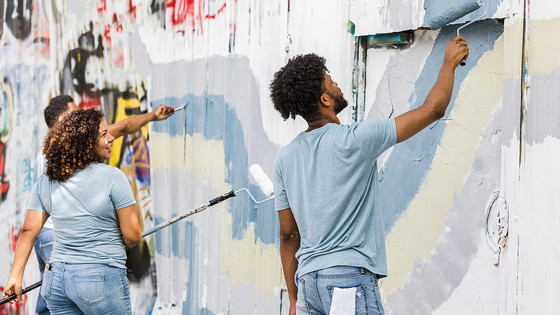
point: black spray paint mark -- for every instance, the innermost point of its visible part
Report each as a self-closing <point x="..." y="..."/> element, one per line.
<point x="18" y="18"/>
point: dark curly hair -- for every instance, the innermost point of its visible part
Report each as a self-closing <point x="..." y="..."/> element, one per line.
<point x="71" y="144"/>
<point x="298" y="86"/>
<point x="57" y="106"/>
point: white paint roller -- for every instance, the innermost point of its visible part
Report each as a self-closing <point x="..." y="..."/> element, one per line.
<point x="265" y="184"/>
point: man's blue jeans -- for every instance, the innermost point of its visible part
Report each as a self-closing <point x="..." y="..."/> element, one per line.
<point x="86" y="289"/>
<point x="315" y="290"/>
<point x="43" y="248"/>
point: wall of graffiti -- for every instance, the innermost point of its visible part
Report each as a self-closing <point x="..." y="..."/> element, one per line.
<point x="454" y="196"/>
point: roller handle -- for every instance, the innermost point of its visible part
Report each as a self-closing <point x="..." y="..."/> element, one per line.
<point x="221" y="198"/>
<point x="25" y="290"/>
<point x="463" y="61"/>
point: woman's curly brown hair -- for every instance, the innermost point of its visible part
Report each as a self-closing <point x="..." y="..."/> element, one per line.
<point x="71" y="144"/>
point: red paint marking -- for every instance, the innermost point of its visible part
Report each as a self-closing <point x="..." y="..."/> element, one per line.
<point x="13" y="238"/>
<point x="131" y="9"/>
<point x="119" y="61"/>
<point x="87" y="103"/>
<point x="179" y="11"/>
<point x="220" y="10"/>
<point x="201" y="9"/>
<point x="102" y="7"/>
<point x="119" y="26"/>
<point x="4" y="185"/>
<point x="107" y="34"/>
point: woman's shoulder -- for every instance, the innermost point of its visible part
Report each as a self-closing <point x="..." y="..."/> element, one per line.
<point x="105" y="169"/>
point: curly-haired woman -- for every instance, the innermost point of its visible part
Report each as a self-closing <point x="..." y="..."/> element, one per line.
<point x="94" y="215"/>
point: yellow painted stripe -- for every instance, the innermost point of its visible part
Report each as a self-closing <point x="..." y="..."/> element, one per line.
<point x="543" y="46"/>
<point x="243" y="261"/>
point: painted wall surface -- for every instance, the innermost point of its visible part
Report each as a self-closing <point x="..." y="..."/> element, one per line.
<point x="470" y="204"/>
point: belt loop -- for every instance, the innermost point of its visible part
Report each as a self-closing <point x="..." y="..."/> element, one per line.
<point x="362" y="270"/>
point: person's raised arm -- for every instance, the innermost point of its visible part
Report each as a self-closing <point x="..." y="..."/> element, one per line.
<point x="130" y="225"/>
<point x="435" y="105"/>
<point x="34" y="221"/>
<point x="289" y="245"/>
<point x="134" y="123"/>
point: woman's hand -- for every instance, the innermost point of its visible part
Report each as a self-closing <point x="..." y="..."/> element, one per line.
<point x="13" y="286"/>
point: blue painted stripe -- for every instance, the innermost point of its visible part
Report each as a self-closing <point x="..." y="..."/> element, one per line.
<point x="410" y="161"/>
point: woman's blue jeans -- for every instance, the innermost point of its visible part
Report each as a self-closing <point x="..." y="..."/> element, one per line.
<point x="86" y="289"/>
<point x="43" y="248"/>
<point x="315" y="290"/>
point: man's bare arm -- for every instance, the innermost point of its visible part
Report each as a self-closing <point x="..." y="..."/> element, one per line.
<point x="435" y="105"/>
<point x="135" y="123"/>
<point x="289" y="245"/>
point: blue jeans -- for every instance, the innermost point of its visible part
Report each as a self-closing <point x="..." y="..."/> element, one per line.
<point x="43" y="248"/>
<point x="86" y="289"/>
<point x="315" y="290"/>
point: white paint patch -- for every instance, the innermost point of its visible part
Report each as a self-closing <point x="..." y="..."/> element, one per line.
<point x="539" y="235"/>
<point x="508" y="9"/>
<point x="478" y="292"/>
<point x="544" y="10"/>
<point x="378" y="66"/>
<point x="382" y="16"/>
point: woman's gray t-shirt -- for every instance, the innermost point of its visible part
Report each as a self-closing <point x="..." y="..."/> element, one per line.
<point x="83" y="210"/>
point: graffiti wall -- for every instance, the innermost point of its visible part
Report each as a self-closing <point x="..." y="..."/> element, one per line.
<point x="470" y="204"/>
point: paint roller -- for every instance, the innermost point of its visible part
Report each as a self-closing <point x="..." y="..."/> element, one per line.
<point x="455" y="13"/>
<point x="259" y="176"/>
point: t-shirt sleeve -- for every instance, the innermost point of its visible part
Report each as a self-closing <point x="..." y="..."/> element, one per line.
<point x="280" y="197"/>
<point x="35" y="202"/>
<point x="121" y="193"/>
<point x="375" y="136"/>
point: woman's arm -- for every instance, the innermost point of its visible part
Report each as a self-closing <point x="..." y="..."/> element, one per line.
<point x="34" y="221"/>
<point x="130" y="225"/>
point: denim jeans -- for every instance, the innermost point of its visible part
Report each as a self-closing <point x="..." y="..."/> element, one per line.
<point x="86" y="289"/>
<point x="43" y="248"/>
<point x="315" y="290"/>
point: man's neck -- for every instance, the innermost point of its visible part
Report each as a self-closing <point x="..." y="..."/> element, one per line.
<point x="316" y="124"/>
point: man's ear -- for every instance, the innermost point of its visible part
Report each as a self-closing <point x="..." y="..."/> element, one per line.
<point x="325" y="99"/>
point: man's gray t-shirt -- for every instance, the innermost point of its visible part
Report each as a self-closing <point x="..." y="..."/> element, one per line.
<point x="328" y="177"/>
<point x="83" y="209"/>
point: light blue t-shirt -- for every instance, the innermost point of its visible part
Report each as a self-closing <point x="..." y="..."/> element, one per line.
<point x="328" y="177"/>
<point x="41" y="167"/>
<point x="83" y="212"/>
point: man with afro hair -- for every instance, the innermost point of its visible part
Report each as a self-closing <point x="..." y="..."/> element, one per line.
<point x="332" y="243"/>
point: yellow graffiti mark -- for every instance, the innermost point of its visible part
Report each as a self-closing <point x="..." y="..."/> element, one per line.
<point x="6" y="112"/>
<point x="122" y="105"/>
<point x="417" y="231"/>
